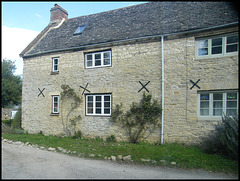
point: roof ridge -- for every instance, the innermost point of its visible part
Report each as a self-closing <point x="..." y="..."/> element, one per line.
<point x="109" y="10"/>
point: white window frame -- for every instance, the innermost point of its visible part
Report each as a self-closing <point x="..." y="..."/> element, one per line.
<point x="53" y="65"/>
<point x="102" y="59"/>
<point x="53" y="108"/>
<point x="224" y="47"/>
<point x="102" y="105"/>
<point x="224" y="106"/>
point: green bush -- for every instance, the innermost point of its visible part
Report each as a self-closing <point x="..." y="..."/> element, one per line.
<point x="111" y="139"/>
<point x="6" y="129"/>
<point x="224" y="139"/>
<point x="17" y="121"/>
<point x="8" y="122"/>
<point x="77" y="134"/>
<point x="140" y="120"/>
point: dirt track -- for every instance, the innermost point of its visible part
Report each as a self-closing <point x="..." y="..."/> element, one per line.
<point x="20" y="161"/>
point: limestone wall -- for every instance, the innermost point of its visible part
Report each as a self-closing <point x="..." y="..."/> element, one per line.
<point x="181" y="103"/>
<point x="130" y="64"/>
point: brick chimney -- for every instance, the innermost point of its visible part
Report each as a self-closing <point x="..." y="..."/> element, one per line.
<point x="58" y="13"/>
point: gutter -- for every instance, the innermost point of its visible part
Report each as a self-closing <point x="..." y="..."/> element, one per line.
<point x="131" y="39"/>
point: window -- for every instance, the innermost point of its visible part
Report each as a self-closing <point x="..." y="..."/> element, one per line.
<point x="55" y="62"/>
<point x="217" y="46"/>
<point x="98" y="104"/>
<point x="98" y="59"/>
<point x="214" y="104"/>
<point x="55" y="104"/>
<point x="79" y="30"/>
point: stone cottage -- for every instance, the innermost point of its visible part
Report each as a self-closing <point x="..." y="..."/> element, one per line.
<point x="185" y="54"/>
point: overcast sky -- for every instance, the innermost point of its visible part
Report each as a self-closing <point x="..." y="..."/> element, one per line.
<point x="23" y="21"/>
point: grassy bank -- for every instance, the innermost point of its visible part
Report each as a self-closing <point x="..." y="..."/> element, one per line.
<point x="185" y="157"/>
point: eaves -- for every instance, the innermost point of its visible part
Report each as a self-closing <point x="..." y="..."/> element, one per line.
<point x="131" y="39"/>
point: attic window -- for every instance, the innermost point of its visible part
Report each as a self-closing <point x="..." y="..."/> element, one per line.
<point x="79" y="30"/>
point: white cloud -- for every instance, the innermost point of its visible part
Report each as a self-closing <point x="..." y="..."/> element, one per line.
<point x="14" y="40"/>
<point x="38" y="15"/>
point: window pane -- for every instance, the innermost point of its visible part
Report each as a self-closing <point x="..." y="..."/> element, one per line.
<point x="217" y="112"/>
<point x="97" y="56"/>
<point x="217" y="46"/>
<point x="204" y="112"/>
<point x="98" y="104"/>
<point x="231" y="96"/>
<point x="89" y="63"/>
<point x="231" y="112"/>
<point x="89" y="57"/>
<point x="202" y="51"/>
<point x="202" y="43"/>
<point x="106" y="61"/>
<point x="98" y="111"/>
<point x="55" y="61"/>
<point x="106" y="98"/>
<point x="90" y="98"/>
<point x="204" y="96"/>
<point x="106" y="111"/>
<point x="216" y="50"/>
<point x="55" y="67"/>
<point x="217" y="96"/>
<point x="232" y="39"/>
<point x="90" y="110"/>
<point x="232" y="48"/>
<point x="106" y="54"/>
<point x="217" y="41"/>
<point x="231" y="104"/>
<point x="98" y="98"/>
<point x="97" y="62"/>
<point x="90" y="104"/>
<point x="204" y="104"/>
<point x="217" y="104"/>
<point x="106" y="104"/>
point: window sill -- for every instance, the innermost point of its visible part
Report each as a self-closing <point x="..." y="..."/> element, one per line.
<point x="96" y="115"/>
<point x="54" y="114"/>
<point x="215" y="56"/>
<point x="54" y="73"/>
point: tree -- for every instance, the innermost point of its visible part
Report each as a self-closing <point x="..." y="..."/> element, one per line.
<point x="141" y="119"/>
<point x="11" y="85"/>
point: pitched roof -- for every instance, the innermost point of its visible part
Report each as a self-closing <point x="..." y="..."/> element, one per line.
<point x="154" y="18"/>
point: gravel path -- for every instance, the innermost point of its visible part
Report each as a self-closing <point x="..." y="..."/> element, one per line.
<point x="25" y="162"/>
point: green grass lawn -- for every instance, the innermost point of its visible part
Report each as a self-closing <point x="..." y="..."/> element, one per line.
<point x="189" y="157"/>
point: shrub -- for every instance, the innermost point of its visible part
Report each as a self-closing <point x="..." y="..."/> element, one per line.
<point x="17" y="121"/>
<point x="111" y="139"/>
<point x="18" y="131"/>
<point x="224" y="139"/>
<point x="8" y="122"/>
<point x="141" y="119"/>
<point x="6" y="129"/>
<point x="77" y="134"/>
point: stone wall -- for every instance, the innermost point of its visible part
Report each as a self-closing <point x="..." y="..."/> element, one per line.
<point x="131" y="63"/>
<point x="181" y="103"/>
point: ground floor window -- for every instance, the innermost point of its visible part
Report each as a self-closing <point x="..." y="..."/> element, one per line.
<point x="55" y="104"/>
<point x="216" y="103"/>
<point x="99" y="104"/>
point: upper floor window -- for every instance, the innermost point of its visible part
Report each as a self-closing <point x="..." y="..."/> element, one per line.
<point x="55" y="63"/>
<point x="215" y="104"/>
<point x="98" y="59"/>
<point x="217" y="46"/>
